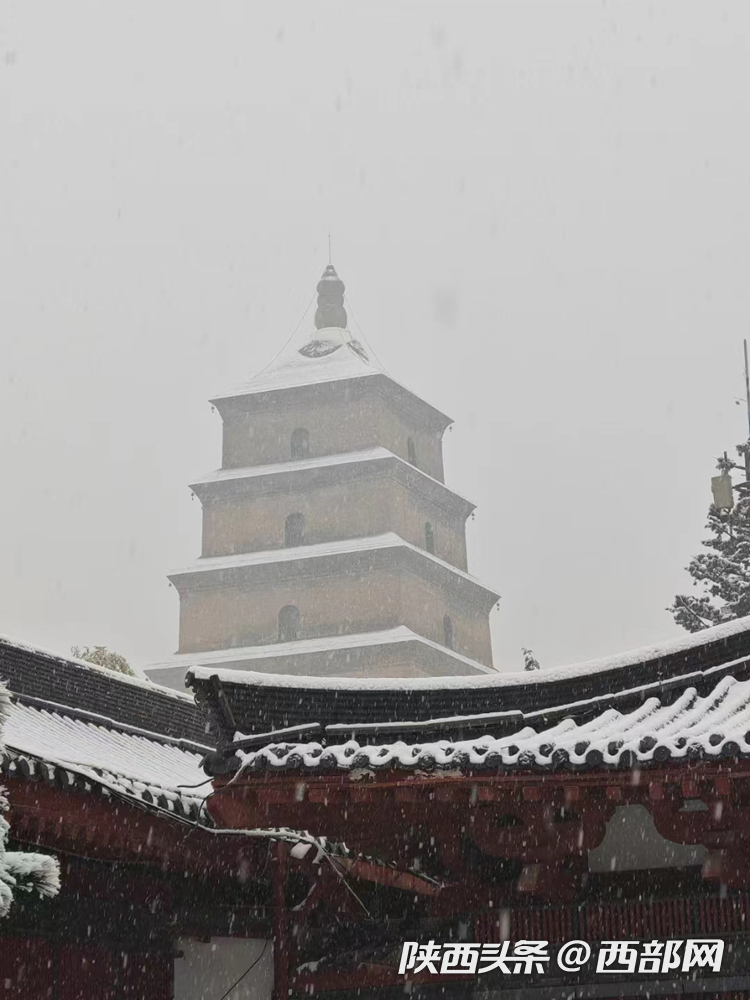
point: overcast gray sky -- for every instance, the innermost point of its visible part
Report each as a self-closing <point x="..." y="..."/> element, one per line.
<point x="540" y="211"/>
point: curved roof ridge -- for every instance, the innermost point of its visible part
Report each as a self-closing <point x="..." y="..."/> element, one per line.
<point x="503" y="679"/>
<point x="114" y="675"/>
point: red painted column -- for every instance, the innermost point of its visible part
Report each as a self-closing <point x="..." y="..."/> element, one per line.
<point x="280" y="923"/>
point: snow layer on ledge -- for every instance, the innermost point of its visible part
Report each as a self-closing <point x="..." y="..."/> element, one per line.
<point x="113" y="675"/>
<point x="692" y="726"/>
<point x="322" y="462"/>
<point x="301" y="647"/>
<point x="496" y="679"/>
<point x="347" y="458"/>
<point x="125" y="762"/>
<point x="370" y="543"/>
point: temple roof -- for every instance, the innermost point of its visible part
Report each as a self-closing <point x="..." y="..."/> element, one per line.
<point x="97" y="754"/>
<point x="690" y="728"/>
<point x="668" y="689"/>
<point x="76" y="724"/>
<point x="694" y="649"/>
<point x="77" y="686"/>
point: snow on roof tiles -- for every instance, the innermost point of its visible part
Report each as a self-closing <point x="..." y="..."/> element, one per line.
<point x="112" y="675"/>
<point x="690" y="727"/>
<point x="127" y="763"/>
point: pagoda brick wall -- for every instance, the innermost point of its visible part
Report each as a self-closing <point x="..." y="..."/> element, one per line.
<point x="386" y="477"/>
<point x="333" y="603"/>
<point x="373" y="503"/>
<point x="258" y="430"/>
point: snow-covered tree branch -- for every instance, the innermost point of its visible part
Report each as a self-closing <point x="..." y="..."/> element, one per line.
<point x="103" y="657"/>
<point x="530" y="662"/>
<point x="20" y="871"/>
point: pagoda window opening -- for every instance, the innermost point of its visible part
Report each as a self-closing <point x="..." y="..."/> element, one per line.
<point x="294" y="530"/>
<point x="300" y="444"/>
<point x="411" y="452"/>
<point x="429" y="538"/>
<point x="448" y="631"/>
<point x="289" y="623"/>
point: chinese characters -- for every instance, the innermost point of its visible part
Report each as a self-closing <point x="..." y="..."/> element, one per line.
<point x="533" y="957"/>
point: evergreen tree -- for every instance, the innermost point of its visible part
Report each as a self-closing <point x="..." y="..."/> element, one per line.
<point x="530" y="662"/>
<point x="19" y="870"/>
<point x="103" y="657"/>
<point x="722" y="574"/>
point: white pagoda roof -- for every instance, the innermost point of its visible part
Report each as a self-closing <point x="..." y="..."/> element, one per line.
<point x="331" y="355"/>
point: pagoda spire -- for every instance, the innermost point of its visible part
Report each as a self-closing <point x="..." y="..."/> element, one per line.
<point x="330" y="311"/>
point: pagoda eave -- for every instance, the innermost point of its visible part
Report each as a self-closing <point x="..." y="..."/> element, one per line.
<point x="248" y="398"/>
<point x="229" y="483"/>
<point x="333" y="656"/>
<point x="337" y="557"/>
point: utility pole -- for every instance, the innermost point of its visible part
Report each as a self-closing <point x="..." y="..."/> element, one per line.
<point x="747" y="399"/>
<point x="721" y="485"/>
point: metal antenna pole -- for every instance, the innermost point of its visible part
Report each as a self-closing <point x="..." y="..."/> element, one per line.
<point x="747" y="396"/>
<point x="727" y="466"/>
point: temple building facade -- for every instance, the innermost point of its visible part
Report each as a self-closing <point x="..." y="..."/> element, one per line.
<point x="331" y="544"/>
<point x="605" y="803"/>
<point x="346" y="772"/>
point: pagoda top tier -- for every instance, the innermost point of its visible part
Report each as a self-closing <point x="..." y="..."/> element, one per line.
<point x="329" y="353"/>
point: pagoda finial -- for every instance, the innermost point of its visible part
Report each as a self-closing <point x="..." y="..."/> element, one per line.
<point x="330" y="311"/>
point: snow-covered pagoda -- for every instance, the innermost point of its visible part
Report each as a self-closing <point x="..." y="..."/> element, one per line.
<point x="331" y="544"/>
<point x="348" y="771"/>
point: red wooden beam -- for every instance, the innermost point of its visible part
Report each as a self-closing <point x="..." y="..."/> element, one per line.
<point x="81" y="823"/>
<point x="558" y="816"/>
<point x="549" y="782"/>
<point x="387" y="876"/>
